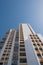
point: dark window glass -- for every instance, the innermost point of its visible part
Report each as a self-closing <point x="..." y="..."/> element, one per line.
<point x="22" y="54"/>
<point x="22" y="49"/>
<point x="23" y="60"/>
<point x="38" y="54"/>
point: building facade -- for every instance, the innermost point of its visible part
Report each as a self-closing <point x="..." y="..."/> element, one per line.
<point x="21" y="47"/>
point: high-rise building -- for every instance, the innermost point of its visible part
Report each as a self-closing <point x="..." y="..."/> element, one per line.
<point x="21" y="47"/>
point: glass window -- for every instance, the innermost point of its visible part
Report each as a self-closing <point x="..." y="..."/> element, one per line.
<point x="22" y="54"/>
<point x="23" y="60"/>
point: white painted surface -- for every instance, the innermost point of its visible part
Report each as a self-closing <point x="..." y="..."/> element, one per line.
<point x="26" y="31"/>
<point x="31" y="57"/>
<point x="32" y="28"/>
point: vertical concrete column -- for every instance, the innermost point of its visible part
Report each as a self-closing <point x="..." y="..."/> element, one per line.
<point x="11" y="53"/>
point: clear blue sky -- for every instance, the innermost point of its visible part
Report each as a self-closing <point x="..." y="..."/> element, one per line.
<point x="13" y="12"/>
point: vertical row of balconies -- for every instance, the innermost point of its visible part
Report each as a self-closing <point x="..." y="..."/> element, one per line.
<point x="3" y="40"/>
<point x="5" y="56"/>
<point x="23" y="59"/>
<point x="38" y="46"/>
<point x="16" y="46"/>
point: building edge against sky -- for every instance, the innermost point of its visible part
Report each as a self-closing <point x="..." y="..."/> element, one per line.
<point x="21" y="47"/>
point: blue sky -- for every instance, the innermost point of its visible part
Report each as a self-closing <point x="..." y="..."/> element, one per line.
<point x="13" y="12"/>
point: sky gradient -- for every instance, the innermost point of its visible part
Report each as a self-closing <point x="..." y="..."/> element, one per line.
<point x="13" y="12"/>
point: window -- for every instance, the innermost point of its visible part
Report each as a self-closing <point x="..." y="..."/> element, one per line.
<point x="23" y="60"/>
<point x="40" y="48"/>
<point x="39" y="40"/>
<point x="21" y="45"/>
<point x="36" y="48"/>
<point x="22" y="42"/>
<point x="9" y="48"/>
<point x="22" y="49"/>
<point x="32" y="40"/>
<point x="36" y="40"/>
<point x="38" y="44"/>
<point x="6" y="58"/>
<point x="3" y="54"/>
<point x="34" y="44"/>
<point x="31" y="37"/>
<point x="38" y="54"/>
<point x="22" y="54"/>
